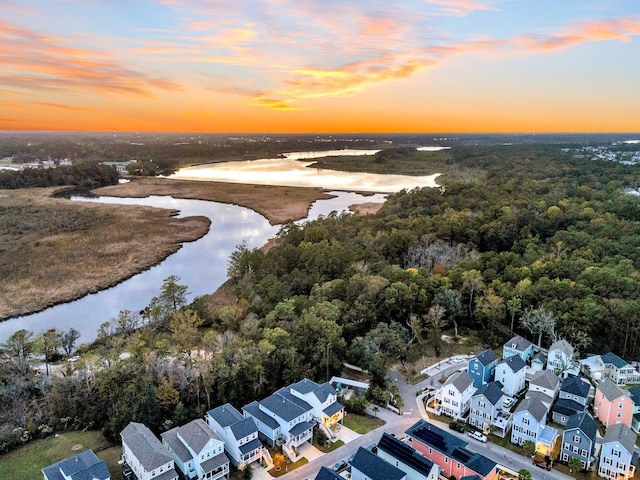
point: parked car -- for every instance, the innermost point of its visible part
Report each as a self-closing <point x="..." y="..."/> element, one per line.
<point x="373" y="448"/>
<point x="508" y="402"/>
<point x="542" y="464"/>
<point x="341" y="465"/>
<point x="457" y="426"/>
<point x="478" y="436"/>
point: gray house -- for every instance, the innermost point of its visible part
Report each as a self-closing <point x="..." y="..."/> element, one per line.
<point x="485" y="405"/>
<point x="573" y="398"/>
<point x="579" y="439"/>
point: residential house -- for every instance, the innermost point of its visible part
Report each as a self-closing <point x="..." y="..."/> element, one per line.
<point x="573" y="398"/>
<point x="239" y="434"/>
<point x="197" y="450"/>
<point x="529" y="418"/>
<point x="327" y="474"/>
<point x="323" y="399"/>
<point x="619" y="371"/>
<point x="618" y="458"/>
<point x="546" y="382"/>
<point x="510" y="372"/>
<point x="83" y="466"/>
<point x="486" y="402"/>
<point x="539" y="361"/>
<point x="482" y="367"/>
<point x="579" y="439"/>
<point x="282" y="420"/>
<point x="634" y="393"/>
<point x="450" y="452"/>
<point x="560" y="357"/>
<point x="407" y="459"/>
<point x="592" y="367"/>
<point x="612" y="404"/>
<point x="368" y="466"/>
<point x="455" y="395"/>
<point x="144" y="457"/>
<point x="518" y="346"/>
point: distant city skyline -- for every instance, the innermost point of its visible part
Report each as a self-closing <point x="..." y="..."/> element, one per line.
<point x="297" y="66"/>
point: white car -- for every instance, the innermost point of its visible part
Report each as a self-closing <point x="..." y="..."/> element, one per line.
<point x="507" y="402"/>
<point x="478" y="436"/>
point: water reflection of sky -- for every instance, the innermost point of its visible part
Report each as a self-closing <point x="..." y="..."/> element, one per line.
<point x="290" y="171"/>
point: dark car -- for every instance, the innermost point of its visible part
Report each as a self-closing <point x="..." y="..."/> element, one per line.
<point x="542" y="464"/>
<point x="457" y="426"/>
<point x="341" y="465"/>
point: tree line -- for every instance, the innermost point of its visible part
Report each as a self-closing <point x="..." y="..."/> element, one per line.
<point x="84" y="175"/>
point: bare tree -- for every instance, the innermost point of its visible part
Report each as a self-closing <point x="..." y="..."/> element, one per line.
<point x="540" y="321"/>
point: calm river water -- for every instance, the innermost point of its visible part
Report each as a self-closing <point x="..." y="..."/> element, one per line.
<point x="202" y="265"/>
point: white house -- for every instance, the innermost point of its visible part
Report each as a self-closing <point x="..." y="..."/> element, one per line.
<point x="455" y="395"/>
<point x="197" y="451"/>
<point x="617" y="457"/>
<point x="323" y="399"/>
<point x="144" y="456"/>
<point x="560" y="358"/>
<point x="545" y="381"/>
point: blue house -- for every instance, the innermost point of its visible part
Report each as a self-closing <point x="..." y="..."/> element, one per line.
<point x="368" y="466"/>
<point x="579" y="439"/>
<point x="482" y="367"/>
<point x="518" y="346"/>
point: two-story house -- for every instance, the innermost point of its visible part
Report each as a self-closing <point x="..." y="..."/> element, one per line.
<point x="612" y="404"/>
<point x="579" y="439"/>
<point x="482" y="367"/>
<point x="83" y="466"/>
<point x="573" y="398"/>
<point x="239" y="434"/>
<point x="618" y="458"/>
<point x="545" y="382"/>
<point x="368" y="466"/>
<point x="539" y="361"/>
<point x="560" y="358"/>
<point x="486" y="403"/>
<point x="618" y="370"/>
<point x="322" y="398"/>
<point x="197" y="450"/>
<point x="634" y="393"/>
<point x="415" y="465"/>
<point x="144" y="456"/>
<point x="455" y="395"/>
<point x="450" y="453"/>
<point x="282" y="420"/>
<point x="518" y="346"/>
<point x="529" y="419"/>
<point x="510" y="372"/>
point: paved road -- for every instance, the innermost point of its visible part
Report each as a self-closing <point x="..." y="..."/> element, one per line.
<point x="398" y="424"/>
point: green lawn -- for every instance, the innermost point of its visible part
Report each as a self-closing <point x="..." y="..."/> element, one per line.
<point x="288" y="467"/>
<point x="26" y="462"/>
<point x="330" y="448"/>
<point x="362" y="423"/>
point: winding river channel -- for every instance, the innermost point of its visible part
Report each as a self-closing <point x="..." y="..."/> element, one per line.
<point x="202" y="264"/>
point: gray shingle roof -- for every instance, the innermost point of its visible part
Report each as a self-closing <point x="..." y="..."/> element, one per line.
<point x="460" y="380"/>
<point x="563" y="346"/>
<point x="213" y="463"/>
<point x="304" y="386"/>
<point x="225" y="415"/>
<point x="145" y="446"/>
<point x="576" y="386"/>
<point x="584" y="422"/>
<point x="534" y="406"/>
<point x="619" y="432"/>
<point x="282" y="407"/>
<point x="567" y="407"/>
<point x="613" y="359"/>
<point x="332" y="409"/>
<point x="492" y="391"/>
<point x="486" y="357"/>
<point x="515" y="363"/>
<point x="284" y="392"/>
<point x="545" y="379"/>
<point x="374" y="467"/>
<point x="84" y="466"/>
<point x="244" y="428"/>
<point x="324" y="391"/>
<point x="326" y="474"/>
<point x="197" y="434"/>
<point x="610" y="390"/>
<point x="253" y="409"/>
<point x="518" y="343"/>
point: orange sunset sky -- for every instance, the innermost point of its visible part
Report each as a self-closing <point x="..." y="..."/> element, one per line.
<point x="320" y="65"/>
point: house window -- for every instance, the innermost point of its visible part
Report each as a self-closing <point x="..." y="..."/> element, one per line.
<point x="620" y="405"/>
<point x="430" y="451"/>
<point x="619" y="414"/>
<point x="576" y="438"/>
<point x="525" y="421"/>
<point x="458" y="465"/>
<point x="567" y="446"/>
<point x="575" y="449"/>
<point x="607" y="461"/>
<point x="446" y="459"/>
<point x="475" y="366"/>
<point x="481" y="404"/>
<point x="584" y="453"/>
<point x="615" y="453"/>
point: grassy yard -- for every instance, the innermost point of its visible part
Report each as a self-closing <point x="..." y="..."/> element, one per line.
<point x="287" y="467"/>
<point x="330" y="448"/>
<point x="362" y="423"/>
<point x="26" y="462"/>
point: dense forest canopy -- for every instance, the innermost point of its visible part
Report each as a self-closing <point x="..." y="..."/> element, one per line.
<point x="537" y="241"/>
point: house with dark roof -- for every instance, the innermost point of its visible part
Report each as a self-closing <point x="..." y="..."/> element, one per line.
<point x="450" y="452"/>
<point x="328" y="474"/>
<point x="482" y="367"/>
<point x="618" y="370"/>
<point x="284" y="420"/>
<point x="510" y="372"/>
<point x="197" y="451"/>
<point x="612" y="404"/>
<point x="143" y="456"/>
<point x="518" y="346"/>
<point x="529" y="419"/>
<point x="618" y="455"/>
<point x="545" y="382"/>
<point x="323" y="399"/>
<point x="579" y="439"/>
<point x="634" y="393"/>
<point x="454" y="397"/>
<point x="368" y="466"/>
<point x="486" y="403"/>
<point x="406" y="458"/>
<point x="573" y="398"/>
<point x="83" y="466"/>
<point x="239" y="434"/>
